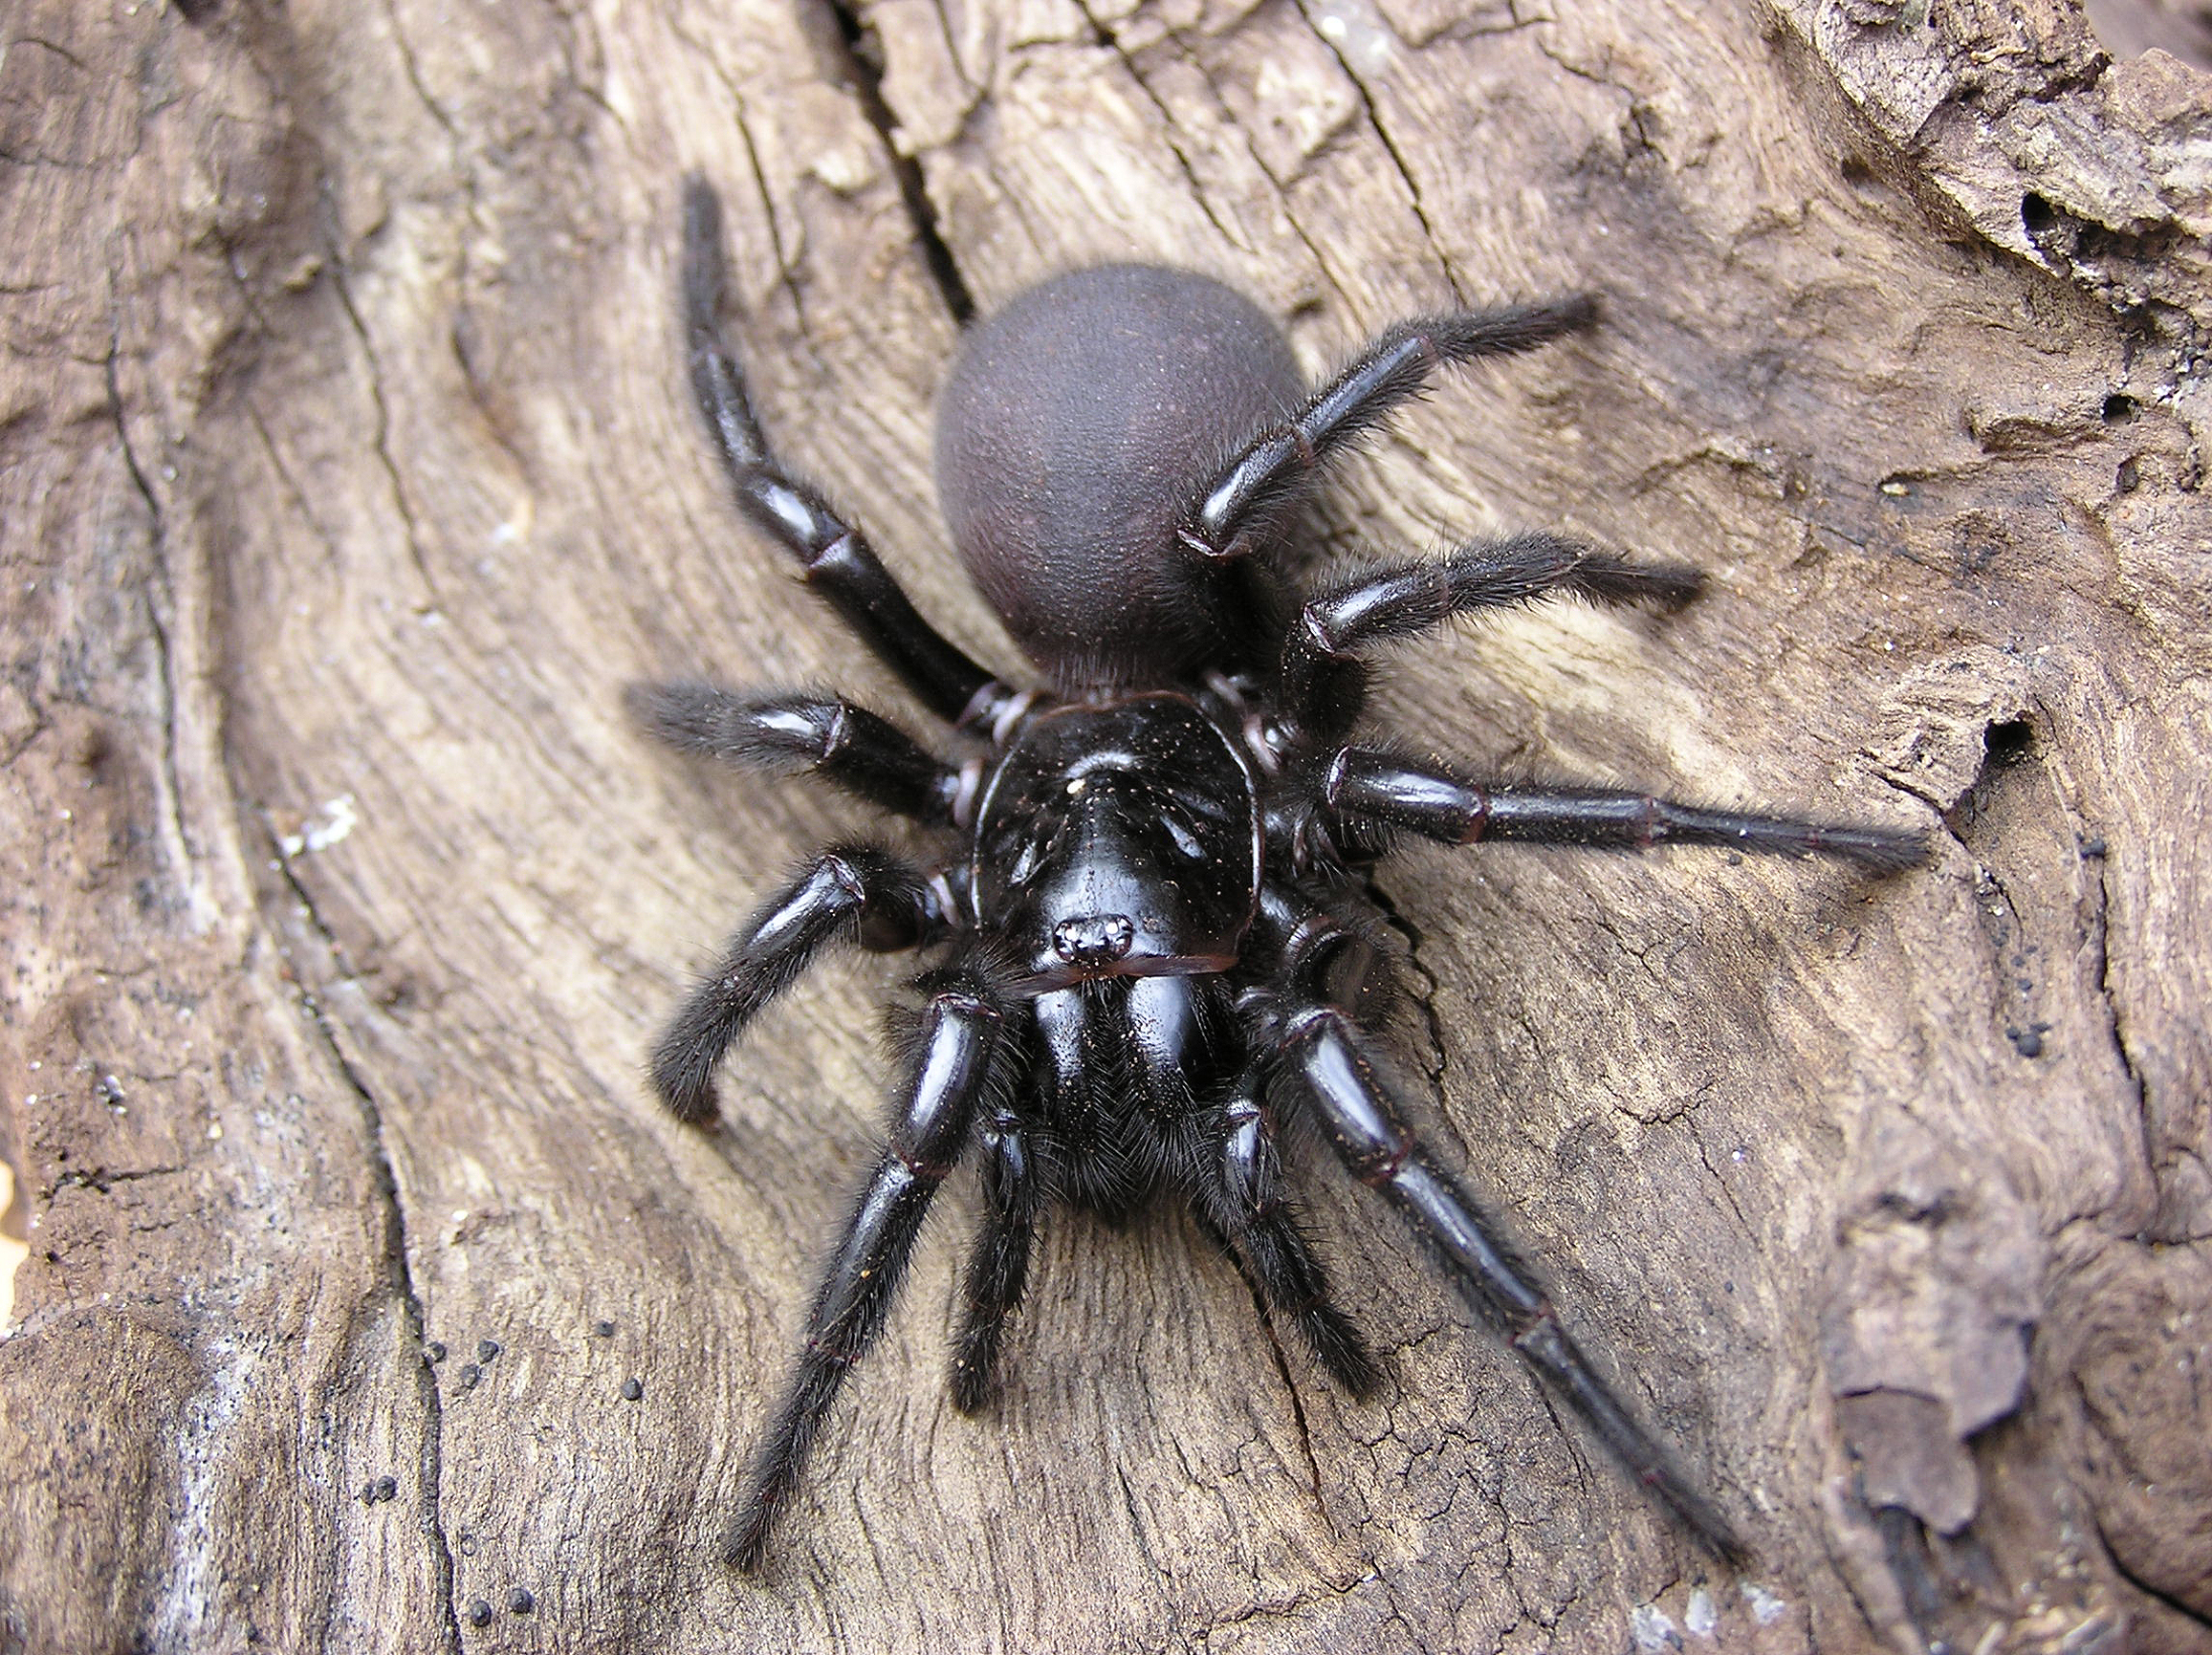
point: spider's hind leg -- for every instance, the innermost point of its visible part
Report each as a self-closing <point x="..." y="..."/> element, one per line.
<point x="835" y="557"/>
<point x="1240" y="502"/>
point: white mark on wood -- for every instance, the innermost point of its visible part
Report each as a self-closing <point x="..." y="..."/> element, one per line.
<point x="190" y="1600"/>
<point x="12" y="1252"/>
<point x="1699" y="1614"/>
<point x="338" y="818"/>
<point x="1358" y="33"/>
<point x="1651" y="1629"/>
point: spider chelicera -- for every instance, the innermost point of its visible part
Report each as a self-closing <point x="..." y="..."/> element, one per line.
<point x="1150" y="914"/>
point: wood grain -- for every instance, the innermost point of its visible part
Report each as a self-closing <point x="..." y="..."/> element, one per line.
<point x="347" y="473"/>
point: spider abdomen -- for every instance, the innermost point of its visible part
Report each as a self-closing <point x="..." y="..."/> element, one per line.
<point x="1075" y="427"/>
<point x="1119" y="840"/>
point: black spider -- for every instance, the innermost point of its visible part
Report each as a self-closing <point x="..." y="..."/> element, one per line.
<point x="1150" y="914"/>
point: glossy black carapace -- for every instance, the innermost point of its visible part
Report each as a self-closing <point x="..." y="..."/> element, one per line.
<point x="1148" y="907"/>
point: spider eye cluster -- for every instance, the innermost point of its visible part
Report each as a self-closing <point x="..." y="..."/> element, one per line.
<point x="1089" y="808"/>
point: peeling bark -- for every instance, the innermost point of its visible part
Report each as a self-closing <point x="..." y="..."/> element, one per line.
<point x="347" y="473"/>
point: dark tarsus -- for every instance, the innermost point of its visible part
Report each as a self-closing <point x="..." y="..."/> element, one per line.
<point x="1151" y="913"/>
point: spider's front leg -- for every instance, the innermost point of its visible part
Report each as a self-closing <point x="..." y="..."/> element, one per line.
<point x="1243" y="1199"/>
<point x="1370" y="787"/>
<point x="835" y="558"/>
<point x="850" y="893"/>
<point x="1319" y="1060"/>
<point x="998" y="1265"/>
<point x="955" y="1066"/>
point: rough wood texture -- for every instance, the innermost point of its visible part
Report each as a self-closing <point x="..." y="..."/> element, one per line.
<point x="346" y="474"/>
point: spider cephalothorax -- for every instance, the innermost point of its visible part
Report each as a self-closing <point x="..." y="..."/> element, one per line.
<point x="1147" y="912"/>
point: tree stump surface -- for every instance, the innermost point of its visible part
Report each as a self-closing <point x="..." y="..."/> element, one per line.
<point x="347" y="473"/>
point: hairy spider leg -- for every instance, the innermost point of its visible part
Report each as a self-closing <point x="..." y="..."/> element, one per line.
<point x="850" y="893"/>
<point x="835" y="558"/>
<point x="952" y="1077"/>
<point x="1241" y="1202"/>
<point x="866" y="755"/>
<point x="1241" y="502"/>
<point x="998" y="1265"/>
<point x="1321" y="1058"/>
<point x="1323" y="680"/>
<point x="1372" y="785"/>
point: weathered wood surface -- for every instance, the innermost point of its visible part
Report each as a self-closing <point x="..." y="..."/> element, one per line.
<point x="346" y="474"/>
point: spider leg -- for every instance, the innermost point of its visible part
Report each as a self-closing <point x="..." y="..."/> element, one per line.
<point x="1246" y="494"/>
<point x="1323" y="680"/>
<point x="1179" y="1041"/>
<point x="1242" y="1202"/>
<point x="867" y="756"/>
<point x="835" y="558"/>
<point x="952" y="1072"/>
<point x="1371" y="786"/>
<point x="1321" y="1059"/>
<point x="999" y="1267"/>
<point x="850" y="893"/>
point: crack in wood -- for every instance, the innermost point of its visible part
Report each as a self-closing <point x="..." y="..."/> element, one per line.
<point x="866" y="80"/>
<point x="400" y="1270"/>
